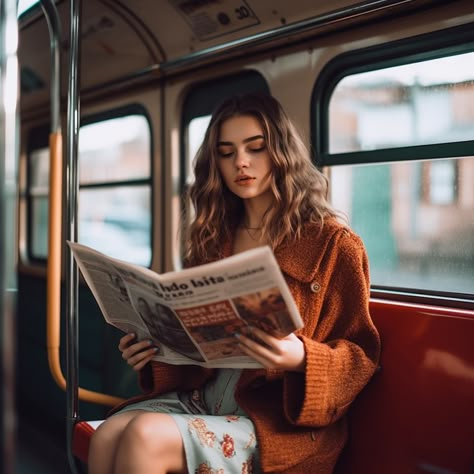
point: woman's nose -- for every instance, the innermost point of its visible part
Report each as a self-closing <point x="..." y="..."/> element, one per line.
<point x="241" y="160"/>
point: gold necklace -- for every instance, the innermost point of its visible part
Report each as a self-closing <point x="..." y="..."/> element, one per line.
<point x="248" y="229"/>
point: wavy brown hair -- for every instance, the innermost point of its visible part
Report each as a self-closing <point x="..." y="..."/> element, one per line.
<point x="299" y="188"/>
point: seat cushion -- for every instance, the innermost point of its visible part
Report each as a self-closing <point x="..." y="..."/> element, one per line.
<point x="82" y="435"/>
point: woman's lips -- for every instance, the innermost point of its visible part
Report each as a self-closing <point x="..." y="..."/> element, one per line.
<point x="244" y="180"/>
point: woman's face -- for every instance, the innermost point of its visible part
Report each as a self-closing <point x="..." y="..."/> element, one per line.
<point x="243" y="159"/>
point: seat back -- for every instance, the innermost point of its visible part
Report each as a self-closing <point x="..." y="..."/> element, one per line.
<point x="417" y="413"/>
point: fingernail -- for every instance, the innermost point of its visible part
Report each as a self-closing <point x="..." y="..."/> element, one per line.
<point x="237" y="334"/>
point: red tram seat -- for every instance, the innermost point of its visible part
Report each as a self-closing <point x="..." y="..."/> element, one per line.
<point x="83" y="432"/>
<point x="416" y="414"/>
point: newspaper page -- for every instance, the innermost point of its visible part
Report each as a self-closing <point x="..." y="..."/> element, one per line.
<point x="192" y="315"/>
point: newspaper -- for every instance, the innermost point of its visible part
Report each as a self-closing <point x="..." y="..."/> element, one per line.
<point x="192" y="315"/>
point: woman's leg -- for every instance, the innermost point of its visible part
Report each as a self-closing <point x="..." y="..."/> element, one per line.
<point x="103" y="447"/>
<point x="150" y="444"/>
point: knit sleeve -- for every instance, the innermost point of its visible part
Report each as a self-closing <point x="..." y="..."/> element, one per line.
<point x="154" y="372"/>
<point x="159" y="377"/>
<point x="344" y="352"/>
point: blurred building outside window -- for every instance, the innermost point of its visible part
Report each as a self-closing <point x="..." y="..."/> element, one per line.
<point x="415" y="217"/>
<point x="114" y="190"/>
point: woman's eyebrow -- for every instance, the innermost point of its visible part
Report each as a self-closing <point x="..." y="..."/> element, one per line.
<point x="246" y="140"/>
<point x="251" y="139"/>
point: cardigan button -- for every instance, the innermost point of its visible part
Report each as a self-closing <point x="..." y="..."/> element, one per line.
<point x="315" y="286"/>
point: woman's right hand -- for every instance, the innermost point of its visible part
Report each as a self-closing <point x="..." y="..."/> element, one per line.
<point x="136" y="354"/>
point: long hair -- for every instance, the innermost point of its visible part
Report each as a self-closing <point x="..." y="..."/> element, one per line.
<point x="298" y="187"/>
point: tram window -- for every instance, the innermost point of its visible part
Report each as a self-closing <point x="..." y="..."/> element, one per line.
<point x="413" y="213"/>
<point x="195" y="134"/>
<point x="411" y="242"/>
<point x="415" y="104"/>
<point x="200" y="103"/>
<point x="39" y="179"/>
<point x="26" y="5"/>
<point x="115" y="187"/>
<point x="114" y="150"/>
<point x="114" y="201"/>
<point x="197" y="110"/>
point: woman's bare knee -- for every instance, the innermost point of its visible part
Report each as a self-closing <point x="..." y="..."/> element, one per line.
<point x="152" y="438"/>
<point x="112" y="428"/>
<point x="104" y="441"/>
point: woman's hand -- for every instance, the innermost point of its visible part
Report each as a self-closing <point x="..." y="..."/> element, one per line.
<point x="136" y="354"/>
<point x="287" y="353"/>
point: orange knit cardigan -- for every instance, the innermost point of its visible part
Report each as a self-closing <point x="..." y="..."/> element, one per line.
<point x="299" y="418"/>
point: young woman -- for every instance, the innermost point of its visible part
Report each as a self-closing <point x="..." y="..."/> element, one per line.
<point x="255" y="185"/>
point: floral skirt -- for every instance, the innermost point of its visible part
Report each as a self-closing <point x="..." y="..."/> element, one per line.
<point x="218" y="437"/>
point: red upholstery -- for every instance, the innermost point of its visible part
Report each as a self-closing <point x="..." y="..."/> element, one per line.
<point x="416" y="413"/>
<point x="81" y="438"/>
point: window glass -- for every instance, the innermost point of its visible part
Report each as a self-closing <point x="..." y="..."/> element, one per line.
<point x="196" y="114"/>
<point x="414" y="104"/>
<point x="39" y="226"/>
<point x="114" y="150"/>
<point x="25" y="5"/>
<point x="39" y="180"/>
<point x="411" y="243"/>
<point x="114" y="202"/>
<point x="39" y="170"/>
<point x="116" y="221"/>
<point x="195" y="135"/>
<point x="415" y="216"/>
<point x="115" y="188"/>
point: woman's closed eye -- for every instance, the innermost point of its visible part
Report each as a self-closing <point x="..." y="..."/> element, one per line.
<point x="257" y="149"/>
<point x="225" y="153"/>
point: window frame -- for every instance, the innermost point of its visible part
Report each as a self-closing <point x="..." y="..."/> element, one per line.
<point x="425" y="47"/>
<point x="38" y="138"/>
<point x="448" y="42"/>
<point x="204" y="97"/>
<point x="199" y="101"/>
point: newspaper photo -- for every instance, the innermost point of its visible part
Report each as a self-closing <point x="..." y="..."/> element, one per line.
<point x="192" y="315"/>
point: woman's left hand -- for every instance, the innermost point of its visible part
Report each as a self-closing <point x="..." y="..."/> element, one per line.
<point x="287" y="353"/>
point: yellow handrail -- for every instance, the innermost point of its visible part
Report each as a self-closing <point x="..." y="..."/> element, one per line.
<point x="53" y="305"/>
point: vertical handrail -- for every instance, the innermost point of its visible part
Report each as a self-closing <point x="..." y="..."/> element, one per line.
<point x="9" y="125"/>
<point x="53" y="304"/>
<point x="54" y="26"/>
<point x="53" y="317"/>
<point x="72" y="188"/>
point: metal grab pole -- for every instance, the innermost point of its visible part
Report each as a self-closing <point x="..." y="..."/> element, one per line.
<point x="53" y="318"/>
<point x="72" y="276"/>
<point x="9" y="125"/>
<point x="54" y="26"/>
<point x="55" y="243"/>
